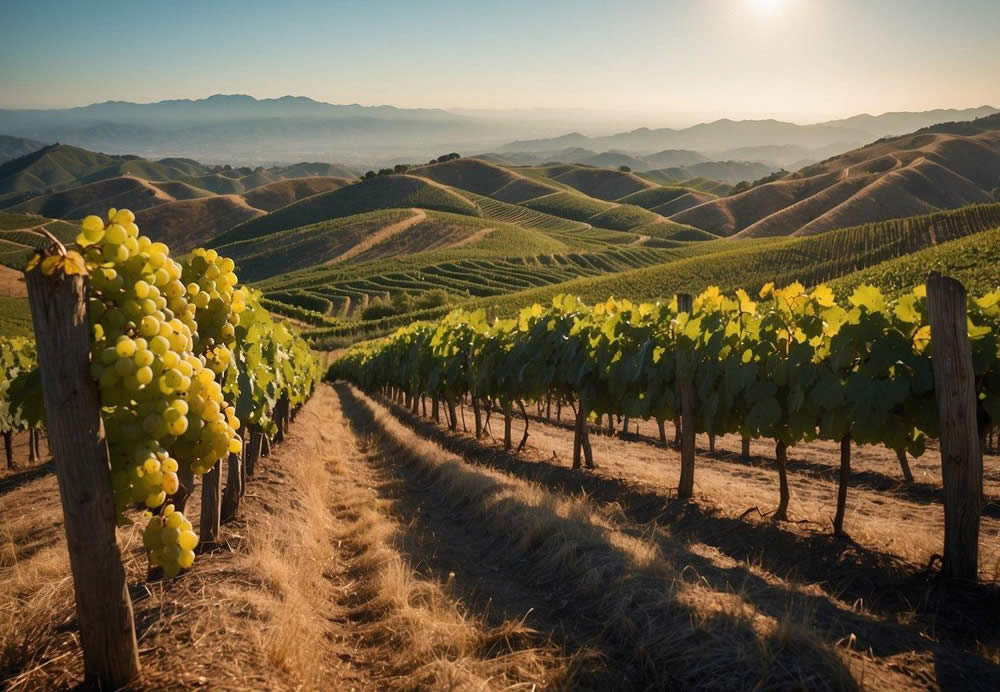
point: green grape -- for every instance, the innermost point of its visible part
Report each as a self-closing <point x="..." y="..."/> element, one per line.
<point x="166" y="348"/>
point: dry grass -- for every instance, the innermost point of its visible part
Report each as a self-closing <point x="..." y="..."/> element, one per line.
<point x="407" y="627"/>
<point x="634" y="594"/>
<point x="306" y="593"/>
<point x="859" y="595"/>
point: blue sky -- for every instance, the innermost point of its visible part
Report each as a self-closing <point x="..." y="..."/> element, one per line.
<point x="799" y="59"/>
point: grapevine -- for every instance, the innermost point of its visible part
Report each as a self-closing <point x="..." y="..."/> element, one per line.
<point x="790" y="365"/>
<point x="182" y="356"/>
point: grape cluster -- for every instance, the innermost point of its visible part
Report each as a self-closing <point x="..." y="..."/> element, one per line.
<point x="159" y="375"/>
<point x="170" y="541"/>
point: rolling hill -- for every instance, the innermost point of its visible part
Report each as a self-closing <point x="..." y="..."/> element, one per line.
<point x="901" y="176"/>
<point x="283" y="192"/>
<point x="186" y="224"/>
<point x="384" y="192"/>
<point x="16" y="147"/>
<point x="123" y="192"/>
<point x="373" y="236"/>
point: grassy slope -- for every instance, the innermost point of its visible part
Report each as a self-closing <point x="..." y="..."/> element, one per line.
<point x="973" y="260"/>
<point x="308" y="248"/>
<point x="186" y="224"/>
<point x="284" y="192"/>
<point x="15" y="319"/>
<point x="386" y="192"/>
<point x="569" y="205"/>
<point x="896" y="177"/>
<point x="96" y="198"/>
<point x="750" y="263"/>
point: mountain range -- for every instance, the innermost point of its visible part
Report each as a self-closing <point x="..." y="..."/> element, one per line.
<point x="241" y="129"/>
<point x="722" y="137"/>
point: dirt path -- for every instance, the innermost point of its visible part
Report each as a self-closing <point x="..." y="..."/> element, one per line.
<point x="474" y="238"/>
<point x="381" y="235"/>
<point x="641" y="240"/>
<point x="309" y="589"/>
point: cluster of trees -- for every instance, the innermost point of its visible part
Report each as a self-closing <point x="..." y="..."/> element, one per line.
<point x="445" y="158"/>
<point x="404" y="167"/>
<point x="395" y="170"/>
<point x="745" y="185"/>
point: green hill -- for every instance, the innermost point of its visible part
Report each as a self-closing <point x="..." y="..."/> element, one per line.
<point x="653" y="197"/>
<point x="383" y="192"/>
<point x="603" y="183"/>
<point x="962" y="242"/>
<point x="973" y="260"/>
<point x="568" y="205"/>
<point x="672" y="231"/>
<point x="623" y="217"/>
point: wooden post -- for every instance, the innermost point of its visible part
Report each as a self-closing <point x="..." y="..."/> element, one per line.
<point x="76" y="438"/>
<point x="279" y="417"/>
<point x="685" y="385"/>
<point x="781" y="457"/>
<point x="961" y="448"/>
<point x="661" y="428"/>
<point x="507" y="418"/>
<point x="234" y="485"/>
<point x="844" y="478"/>
<point x="8" y="444"/>
<point x="186" y="478"/>
<point x="253" y="453"/>
<point x="477" y="416"/>
<point x="211" y="505"/>
<point x="745" y="448"/>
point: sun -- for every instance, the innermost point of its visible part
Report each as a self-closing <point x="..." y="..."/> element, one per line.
<point x="765" y="8"/>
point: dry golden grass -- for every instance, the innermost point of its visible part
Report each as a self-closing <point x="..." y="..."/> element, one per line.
<point x="898" y="177"/>
<point x="189" y="223"/>
<point x="661" y="614"/>
<point x="307" y="591"/>
<point x="868" y="599"/>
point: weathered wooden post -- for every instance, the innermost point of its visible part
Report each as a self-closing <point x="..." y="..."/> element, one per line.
<point x="234" y="481"/>
<point x="961" y="448"/>
<point x="76" y="439"/>
<point x="685" y="385"/>
<point x="211" y="506"/>
<point x="843" y="479"/>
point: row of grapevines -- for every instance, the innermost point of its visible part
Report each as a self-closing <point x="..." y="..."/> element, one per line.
<point x="17" y="356"/>
<point x="790" y="365"/>
<point x="183" y="357"/>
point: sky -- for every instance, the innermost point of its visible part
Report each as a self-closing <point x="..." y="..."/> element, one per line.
<point x="670" y="60"/>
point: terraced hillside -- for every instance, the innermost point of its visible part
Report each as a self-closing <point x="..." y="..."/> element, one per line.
<point x="385" y="192"/>
<point x="384" y="234"/>
<point x="961" y="241"/>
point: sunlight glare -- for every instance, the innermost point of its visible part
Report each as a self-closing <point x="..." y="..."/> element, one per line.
<point x="765" y="8"/>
